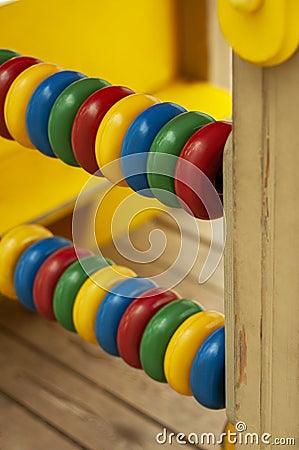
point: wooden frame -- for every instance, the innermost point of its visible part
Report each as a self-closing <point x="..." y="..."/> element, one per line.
<point x="261" y="269"/>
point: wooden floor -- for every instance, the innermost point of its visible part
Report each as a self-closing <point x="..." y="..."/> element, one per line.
<point x="58" y="392"/>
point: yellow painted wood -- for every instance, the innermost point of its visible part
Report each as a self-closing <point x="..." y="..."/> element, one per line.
<point x="127" y="42"/>
<point x="36" y="188"/>
<point x="198" y="96"/>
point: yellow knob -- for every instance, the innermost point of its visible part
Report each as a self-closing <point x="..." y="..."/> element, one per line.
<point x="247" y="6"/>
<point x="259" y="32"/>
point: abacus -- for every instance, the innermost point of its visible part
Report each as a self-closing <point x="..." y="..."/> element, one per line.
<point x="64" y="110"/>
<point x="112" y="131"/>
<point x="112" y="318"/>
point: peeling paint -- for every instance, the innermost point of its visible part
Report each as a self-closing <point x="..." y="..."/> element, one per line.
<point x="242" y="361"/>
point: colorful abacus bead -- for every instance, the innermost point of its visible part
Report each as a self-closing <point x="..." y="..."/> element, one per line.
<point x="184" y="345"/>
<point x="112" y="309"/>
<point x="69" y="285"/>
<point x="63" y="113"/>
<point x="138" y="140"/>
<point x="158" y="333"/>
<point x="9" y="71"/>
<point x="91" y="295"/>
<point x="207" y="377"/>
<point x="88" y="120"/>
<point x="111" y="133"/>
<point x="204" y="151"/>
<point x="40" y="105"/>
<point x="48" y="275"/>
<point x="6" y="54"/>
<point x="165" y="150"/>
<point x="135" y="320"/>
<point x="18" y="97"/>
<point x="12" y="246"/>
<point x="29" y="264"/>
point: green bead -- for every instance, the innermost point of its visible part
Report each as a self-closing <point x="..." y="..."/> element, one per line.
<point x="158" y="333"/>
<point x="63" y="113"/>
<point x="6" y="54"/>
<point x="68" y="287"/>
<point x="170" y="141"/>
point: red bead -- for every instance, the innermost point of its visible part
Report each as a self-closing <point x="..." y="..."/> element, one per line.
<point x="48" y="275"/>
<point x="87" y="122"/>
<point x="205" y="151"/>
<point x="8" y="72"/>
<point x="135" y="320"/>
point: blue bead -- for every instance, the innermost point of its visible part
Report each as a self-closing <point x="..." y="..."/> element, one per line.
<point x="138" y="140"/>
<point x="112" y="309"/>
<point x="29" y="264"/>
<point x="207" y="377"/>
<point x="40" y="105"/>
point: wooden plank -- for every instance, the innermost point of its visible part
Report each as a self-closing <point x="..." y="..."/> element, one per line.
<point x="229" y="270"/>
<point x="110" y="375"/>
<point x="168" y="222"/>
<point x="210" y="294"/>
<point x="20" y="429"/>
<point x="263" y="290"/>
<point x="88" y="415"/>
<point x="186" y="272"/>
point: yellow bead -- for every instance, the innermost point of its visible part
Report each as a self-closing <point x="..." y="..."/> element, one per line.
<point x="90" y="296"/>
<point x="112" y="131"/>
<point x="13" y="244"/>
<point x="18" y="97"/>
<point x="184" y="345"/>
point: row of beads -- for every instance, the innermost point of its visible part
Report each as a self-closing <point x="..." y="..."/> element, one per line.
<point x="112" y="131"/>
<point x="173" y="339"/>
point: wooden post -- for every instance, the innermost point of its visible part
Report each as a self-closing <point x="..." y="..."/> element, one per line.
<point x="262" y="252"/>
